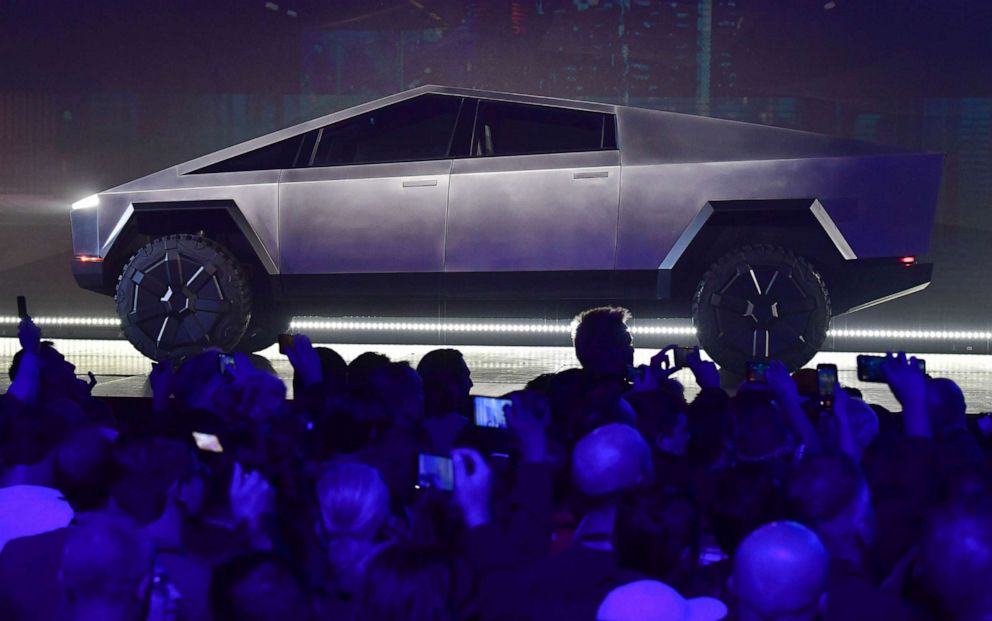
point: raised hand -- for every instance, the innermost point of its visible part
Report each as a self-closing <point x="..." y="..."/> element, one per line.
<point x="473" y="486"/>
<point x="251" y="498"/>
<point x="29" y="335"/>
<point x="305" y="361"/>
<point x="705" y="371"/>
<point x="909" y="385"/>
<point x="527" y="418"/>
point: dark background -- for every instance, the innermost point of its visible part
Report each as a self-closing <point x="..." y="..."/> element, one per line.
<point x="96" y="93"/>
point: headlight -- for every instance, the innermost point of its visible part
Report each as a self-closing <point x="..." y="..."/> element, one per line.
<point x="89" y="201"/>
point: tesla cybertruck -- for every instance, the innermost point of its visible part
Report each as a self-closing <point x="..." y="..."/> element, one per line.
<point x="443" y="196"/>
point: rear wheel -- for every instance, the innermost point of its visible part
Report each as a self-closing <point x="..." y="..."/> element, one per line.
<point x="761" y="302"/>
<point x="181" y="294"/>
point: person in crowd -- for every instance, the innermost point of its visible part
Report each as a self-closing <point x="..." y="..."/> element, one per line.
<point x="829" y="494"/>
<point x="447" y="384"/>
<point x="353" y="525"/>
<point x="780" y="574"/>
<point x="406" y="582"/>
<point x="108" y="571"/>
<point x="955" y="558"/>
<point x="650" y="600"/>
<point x="258" y="586"/>
<point x="603" y="344"/>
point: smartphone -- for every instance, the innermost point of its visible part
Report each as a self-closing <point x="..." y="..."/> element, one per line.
<point x="435" y="471"/>
<point x="489" y="411"/>
<point x="756" y="370"/>
<point x="225" y="363"/>
<point x="826" y="381"/>
<point x="870" y="368"/>
<point x="680" y="356"/>
<point x="22" y="307"/>
<point x="286" y="342"/>
<point x="207" y="442"/>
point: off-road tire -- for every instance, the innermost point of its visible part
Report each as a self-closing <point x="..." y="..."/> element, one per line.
<point x="761" y="302"/>
<point x="181" y="294"/>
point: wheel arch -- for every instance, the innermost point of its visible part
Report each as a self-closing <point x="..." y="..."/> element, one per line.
<point x="799" y="225"/>
<point x="219" y="220"/>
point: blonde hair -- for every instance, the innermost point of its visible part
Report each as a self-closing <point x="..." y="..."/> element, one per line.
<point x="354" y="505"/>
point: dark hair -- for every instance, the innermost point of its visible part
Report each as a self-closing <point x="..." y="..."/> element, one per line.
<point x="746" y="497"/>
<point x="658" y="534"/>
<point x="442" y="371"/>
<point x="822" y="488"/>
<point x="361" y="368"/>
<point x="596" y="329"/>
<point x="149" y="467"/>
<point x="84" y="469"/>
<point x="406" y="582"/>
<point x="280" y="586"/>
<point x="15" y="362"/>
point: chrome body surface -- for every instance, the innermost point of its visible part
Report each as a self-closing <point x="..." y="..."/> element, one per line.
<point x="634" y="206"/>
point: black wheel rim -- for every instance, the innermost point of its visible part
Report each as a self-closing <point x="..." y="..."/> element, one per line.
<point x="178" y="300"/>
<point x="763" y="311"/>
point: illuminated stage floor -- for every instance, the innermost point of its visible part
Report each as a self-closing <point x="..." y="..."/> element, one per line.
<point x="121" y="371"/>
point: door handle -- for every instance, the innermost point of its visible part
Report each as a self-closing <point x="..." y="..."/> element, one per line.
<point x="596" y="174"/>
<point x="420" y="183"/>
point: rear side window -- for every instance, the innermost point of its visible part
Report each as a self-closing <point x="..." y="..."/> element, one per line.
<point x="518" y="129"/>
<point x="416" y="129"/>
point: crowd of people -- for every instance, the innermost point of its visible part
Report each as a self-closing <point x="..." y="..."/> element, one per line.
<point x="607" y="495"/>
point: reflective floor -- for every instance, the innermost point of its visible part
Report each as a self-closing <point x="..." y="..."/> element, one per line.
<point x="121" y="371"/>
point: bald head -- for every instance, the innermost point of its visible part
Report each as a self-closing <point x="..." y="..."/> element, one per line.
<point x="780" y="572"/>
<point x="956" y="558"/>
<point x="611" y="459"/>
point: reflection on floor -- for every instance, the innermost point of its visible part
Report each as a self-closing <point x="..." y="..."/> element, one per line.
<point x="121" y="371"/>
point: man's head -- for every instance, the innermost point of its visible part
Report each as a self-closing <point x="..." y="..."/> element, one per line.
<point x="828" y="493"/>
<point x="361" y="368"/>
<point x="260" y="586"/>
<point x="945" y="405"/>
<point x="84" y="469"/>
<point x="650" y="600"/>
<point x="156" y="474"/>
<point x="354" y="504"/>
<point x="602" y="341"/>
<point x="956" y="559"/>
<point x="447" y="381"/>
<point x="657" y="534"/>
<point x="398" y="387"/>
<point x="780" y="573"/>
<point x="611" y="460"/>
<point x="107" y="565"/>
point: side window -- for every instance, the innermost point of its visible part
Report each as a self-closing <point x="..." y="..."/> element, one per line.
<point x="519" y="129"/>
<point x="416" y="129"/>
<point x="282" y="154"/>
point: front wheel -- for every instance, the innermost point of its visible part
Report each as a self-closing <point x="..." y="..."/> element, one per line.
<point x="761" y="302"/>
<point x="181" y="294"/>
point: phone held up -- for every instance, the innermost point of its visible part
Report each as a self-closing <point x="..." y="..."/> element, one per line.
<point x="826" y="382"/>
<point x="756" y="371"/>
<point x="286" y="343"/>
<point x="870" y="368"/>
<point x="225" y="363"/>
<point x="435" y="472"/>
<point x="490" y="411"/>
<point x="207" y="442"/>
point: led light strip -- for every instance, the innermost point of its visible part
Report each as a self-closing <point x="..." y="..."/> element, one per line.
<point x="366" y="325"/>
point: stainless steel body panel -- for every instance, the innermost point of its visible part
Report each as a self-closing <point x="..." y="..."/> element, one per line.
<point x="533" y="212"/>
<point x="364" y="219"/>
<point x="860" y="194"/>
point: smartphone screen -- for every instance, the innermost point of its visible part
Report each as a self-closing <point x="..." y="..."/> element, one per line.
<point x="285" y="343"/>
<point x="435" y="471"/>
<point x="22" y="307"/>
<point x="826" y="381"/>
<point x="756" y="371"/>
<point x="681" y="356"/>
<point x="225" y="363"/>
<point x="207" y="442"/>
<point x="870" y="368"/>
<point x="489" y="412"/>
